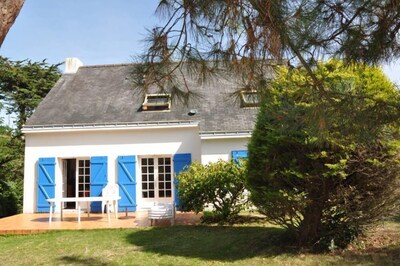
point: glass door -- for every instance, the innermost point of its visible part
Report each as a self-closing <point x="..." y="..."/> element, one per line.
<point x="156" y="178"/>
<point x="83" y="178"/>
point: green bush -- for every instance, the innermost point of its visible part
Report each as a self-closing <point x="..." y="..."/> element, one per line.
<point x="10" y="198"/>
<point x="325" y="164"/>
<point x="220" y="184"/>
<point x="11" y="172"/>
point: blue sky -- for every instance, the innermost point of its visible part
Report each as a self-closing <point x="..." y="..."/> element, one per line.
<point x="95" y="31"/>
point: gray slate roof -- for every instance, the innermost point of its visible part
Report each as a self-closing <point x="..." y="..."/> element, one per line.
<point x="105" y="95"/>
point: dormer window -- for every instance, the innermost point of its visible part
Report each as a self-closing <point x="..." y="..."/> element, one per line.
<point x="249" y="98"/>
<point x="157" y="102"/>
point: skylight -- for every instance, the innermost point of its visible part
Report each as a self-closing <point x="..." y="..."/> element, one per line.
<point x="249" y="98"/>
<point x="157" y="102"/>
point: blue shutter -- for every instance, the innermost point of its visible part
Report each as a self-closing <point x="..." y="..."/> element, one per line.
<point x="98" y="179"/>
<point x="181" y="162"/>
<point x="127" y="183"/>
<point x="236" y="155"/>
<point x="46" y="183"/>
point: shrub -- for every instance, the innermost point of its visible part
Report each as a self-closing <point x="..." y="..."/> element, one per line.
<point x="10" y="198"/>
<point x="220" y="184"/>
<point x="11" y="172"/>
<point x="325" y="164"/>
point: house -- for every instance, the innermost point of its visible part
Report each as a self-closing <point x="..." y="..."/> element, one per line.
<point x="93" y="128"/>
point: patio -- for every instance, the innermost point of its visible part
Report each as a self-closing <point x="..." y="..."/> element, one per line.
<point x="39" y="222"/>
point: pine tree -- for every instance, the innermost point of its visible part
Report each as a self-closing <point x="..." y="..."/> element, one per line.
<point x="23" y="84"/>
<point x="201" y="37"/>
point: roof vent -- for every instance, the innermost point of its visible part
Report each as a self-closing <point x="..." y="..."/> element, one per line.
<point x="71" y="65"/>
<point x="157" y="102"/>
<point x="192" y="112"/>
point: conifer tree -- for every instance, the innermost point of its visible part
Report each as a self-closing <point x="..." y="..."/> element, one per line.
<point x="201" y="36"/>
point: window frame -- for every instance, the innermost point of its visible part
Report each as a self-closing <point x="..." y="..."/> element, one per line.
<point x="157" y="180"/>
<point x="147" y="105"/>
<point x="245" y="103"/>
<point x="86" y="174"/>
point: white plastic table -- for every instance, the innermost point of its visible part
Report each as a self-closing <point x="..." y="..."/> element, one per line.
<point x="108" y="200"/>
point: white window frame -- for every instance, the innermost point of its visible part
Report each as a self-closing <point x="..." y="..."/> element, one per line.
<point x="85" y="174"/>
<point x="156" y="174"/>
<point x="162" y="106"/>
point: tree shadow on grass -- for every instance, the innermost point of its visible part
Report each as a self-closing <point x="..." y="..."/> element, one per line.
<point x="224" y="243"/>
<point x="79" y="260"/>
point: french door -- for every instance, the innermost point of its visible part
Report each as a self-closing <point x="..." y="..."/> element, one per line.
<point x="156" y="173"/>
<point x="83" y="178"/>
<point x="76" y="179"/>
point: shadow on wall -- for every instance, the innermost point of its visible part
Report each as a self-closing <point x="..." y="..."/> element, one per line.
<point x="118" y="137"/>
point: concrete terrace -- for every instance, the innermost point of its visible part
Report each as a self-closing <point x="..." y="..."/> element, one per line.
<point x="39" y="222"/>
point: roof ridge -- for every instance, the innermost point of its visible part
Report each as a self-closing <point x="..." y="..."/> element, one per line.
<point x="137" y="63"/>
<point x="108" y="65"/>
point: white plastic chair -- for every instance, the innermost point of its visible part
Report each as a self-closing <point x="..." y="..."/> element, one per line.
<point x="162" y="211"/>
<point x="109" y="190"/>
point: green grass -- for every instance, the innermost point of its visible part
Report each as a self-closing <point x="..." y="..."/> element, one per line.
<point x="179" y="245"/>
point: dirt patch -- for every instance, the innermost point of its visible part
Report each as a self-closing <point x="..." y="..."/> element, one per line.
<point x="380" y="239"/>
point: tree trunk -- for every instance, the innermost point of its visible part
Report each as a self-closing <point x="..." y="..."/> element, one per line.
<point x="310" y="227"/>
<point x="9" y="10"/>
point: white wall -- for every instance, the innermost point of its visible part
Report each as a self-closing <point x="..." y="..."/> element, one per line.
<point x="214" y="149"/>
<point x="102" y="143"/>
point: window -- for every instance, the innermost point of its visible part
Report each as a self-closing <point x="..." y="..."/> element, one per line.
<point x="164" y="178"/>
<point x="157" y="102"/>
<point x="249" y="98"/>
<point x="156" y="177"/>
<point x="83" y="178"/>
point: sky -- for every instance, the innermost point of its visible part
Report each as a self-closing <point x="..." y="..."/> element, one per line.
<point x="95" y="31"/>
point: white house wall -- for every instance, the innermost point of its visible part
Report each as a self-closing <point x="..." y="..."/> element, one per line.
<point x="213" y="150"/>
<point x="112" y="144"/>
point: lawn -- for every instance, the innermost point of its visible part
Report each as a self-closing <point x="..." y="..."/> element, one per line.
<point x="252" y="244"/>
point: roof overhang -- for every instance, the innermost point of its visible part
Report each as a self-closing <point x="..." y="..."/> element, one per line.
<point x="108" y="126"/>
<point x="225" y="134"/>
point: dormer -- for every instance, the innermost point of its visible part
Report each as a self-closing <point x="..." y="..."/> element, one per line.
<point x="157" y="102"/>
<point x="249" y="98"/>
